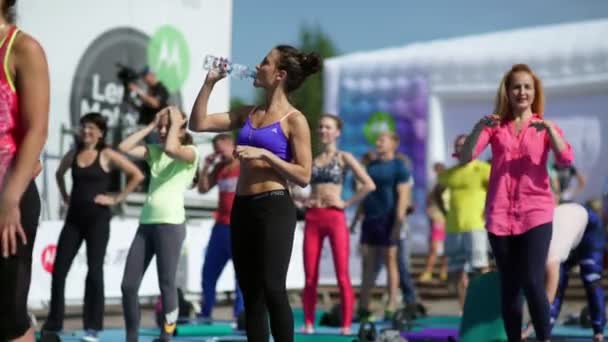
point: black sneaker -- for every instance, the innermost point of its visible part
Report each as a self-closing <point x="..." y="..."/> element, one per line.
<point x="389" y="315"/>
<point x="49" y="336"/>
<point x="364" y="315"/>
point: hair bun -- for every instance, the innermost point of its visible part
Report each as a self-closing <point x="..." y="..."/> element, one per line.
<point x="311" y="63"/>
<point x="297" y="64"/>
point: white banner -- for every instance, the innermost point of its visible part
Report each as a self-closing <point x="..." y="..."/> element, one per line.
<point x="196" y="245"/>
<point x="199" y="233"/>
<point x="295" y="274"/>
<point x="122" y="232"/>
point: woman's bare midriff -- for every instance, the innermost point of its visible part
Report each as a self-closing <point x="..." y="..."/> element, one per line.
<point x="321" y="195"/>
<point x="258" y="176"/>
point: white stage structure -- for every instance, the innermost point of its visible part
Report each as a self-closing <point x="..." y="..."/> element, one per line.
<point x="459" y="79"/>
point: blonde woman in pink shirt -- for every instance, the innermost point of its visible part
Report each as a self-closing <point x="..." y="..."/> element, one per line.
<point x="519" y="204"/>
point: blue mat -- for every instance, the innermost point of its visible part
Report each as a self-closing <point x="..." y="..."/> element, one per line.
<point x="573" y="331"/>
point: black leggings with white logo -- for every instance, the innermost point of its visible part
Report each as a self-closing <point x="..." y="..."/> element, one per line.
<point x="263" y="227"/>
<point x="521" y="261"/>
<point x="16" y="272"/>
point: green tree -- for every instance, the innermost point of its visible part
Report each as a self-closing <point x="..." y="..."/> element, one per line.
<point x="236" y="103"/>
<point x="309" y="97"/>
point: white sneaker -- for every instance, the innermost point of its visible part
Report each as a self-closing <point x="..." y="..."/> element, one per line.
<point x="90" y="336"/>
<point x="33" y="320"/>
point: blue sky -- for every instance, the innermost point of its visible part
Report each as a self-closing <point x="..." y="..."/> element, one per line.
<point x="357" y="25"/>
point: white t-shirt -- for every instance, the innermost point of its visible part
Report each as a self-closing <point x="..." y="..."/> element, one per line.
<point x="569" y="222"/>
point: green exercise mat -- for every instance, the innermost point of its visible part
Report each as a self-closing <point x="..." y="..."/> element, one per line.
<point x="438" y="321"/>
<point x="298" y="316"/>
<point x="204" y="330"/>
<point x="322" y="338"/>
<point x="482" y="318"/>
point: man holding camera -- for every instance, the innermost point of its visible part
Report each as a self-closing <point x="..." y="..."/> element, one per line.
<point x="153" y="99"/>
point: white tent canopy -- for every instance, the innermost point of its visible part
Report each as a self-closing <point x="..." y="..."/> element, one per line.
<point x="463" y="74"/>
<point x="561" y="54"/>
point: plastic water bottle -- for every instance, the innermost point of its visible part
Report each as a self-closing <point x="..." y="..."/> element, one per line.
<point x="233" y="69"/>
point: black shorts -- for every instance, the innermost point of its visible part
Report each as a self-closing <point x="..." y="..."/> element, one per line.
<point x="378" y="231"/>
<point x="16" y="271"/>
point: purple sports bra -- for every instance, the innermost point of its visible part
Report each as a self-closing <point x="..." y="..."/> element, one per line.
<point x="270" y="137"/>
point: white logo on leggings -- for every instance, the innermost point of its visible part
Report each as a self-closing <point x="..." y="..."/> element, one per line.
<point x="171" y="317"/>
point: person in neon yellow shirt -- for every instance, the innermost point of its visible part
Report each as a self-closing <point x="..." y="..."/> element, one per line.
<point x="466" y="243"/>
<point x="162" y="230"/>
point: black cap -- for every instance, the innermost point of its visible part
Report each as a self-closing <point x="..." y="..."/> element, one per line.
<point x="145" y="70"/>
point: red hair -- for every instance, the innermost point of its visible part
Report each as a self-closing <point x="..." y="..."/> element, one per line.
<point x="502" y="106"/>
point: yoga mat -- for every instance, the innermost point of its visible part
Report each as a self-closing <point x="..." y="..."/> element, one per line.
<point x="438" y="322"/>
<point x="298" y="316"/>
<point x="204" y="330"/>
<point x="432" y="335"/>
<point x="323" y="338"/>
<point x="482" y="317"/>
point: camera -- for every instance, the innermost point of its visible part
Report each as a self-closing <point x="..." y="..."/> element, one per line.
<point x="126" y="74"/>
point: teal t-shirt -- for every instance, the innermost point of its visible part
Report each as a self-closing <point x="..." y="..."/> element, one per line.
<point x="386" y="174"/>
<point x="169" y="179"/>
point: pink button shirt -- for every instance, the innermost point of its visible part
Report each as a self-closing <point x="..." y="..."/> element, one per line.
<point x="519" y="194"/>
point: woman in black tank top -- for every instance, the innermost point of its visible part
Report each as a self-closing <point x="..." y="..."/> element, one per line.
<point x="87" y="182"/>
<point x="88" y="218"/>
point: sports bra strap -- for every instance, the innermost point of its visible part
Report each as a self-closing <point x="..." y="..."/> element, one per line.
<point x="288" y="114"/>
<point x="252" y="111"/>
<point x="13" y="30"/>
<point x="5" y="48"/>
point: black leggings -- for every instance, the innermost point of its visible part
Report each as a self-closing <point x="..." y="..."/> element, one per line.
<point x="16" y="272"/>
<point x="521" y="261"/>
<point x="263" y="226"/>
<point x="95" y="231"/>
